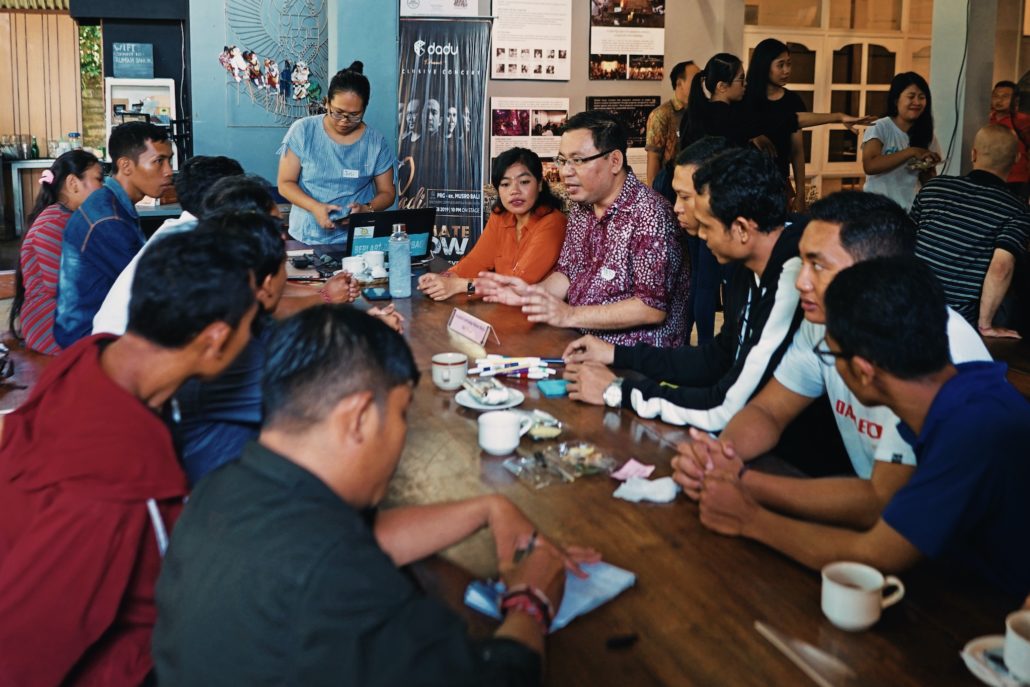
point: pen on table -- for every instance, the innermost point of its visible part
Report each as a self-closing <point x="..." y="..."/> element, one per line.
<point x="522" y="553"/>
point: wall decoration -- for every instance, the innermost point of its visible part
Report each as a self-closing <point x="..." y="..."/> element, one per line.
<point x="627" y="40"/>
<point x="276" y="56"/>
<point x="439" y="8"/>
<point x="632" y="111"/>
<point x="531" y="39"/>
<point x="534" y="123"/>
<point x="441" y="104"/>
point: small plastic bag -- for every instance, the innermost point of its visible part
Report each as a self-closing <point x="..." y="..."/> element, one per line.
<point x="532" y="471"/>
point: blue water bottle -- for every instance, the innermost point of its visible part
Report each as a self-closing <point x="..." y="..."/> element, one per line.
<point x="400" y="263"/>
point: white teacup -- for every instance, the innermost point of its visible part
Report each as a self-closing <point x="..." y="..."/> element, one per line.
<point x="853" y="594"/>
<point x="378" y="272"/>
<point x="374" y="259"/>
<point x="354" y="264"/>
<point x="1017" y="645"/>
<point x="500" y="431"/>
<point x="449" y="370"/>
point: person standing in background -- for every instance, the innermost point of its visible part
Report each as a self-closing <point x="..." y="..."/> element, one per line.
<point x="1004" y="111"/>
<point x="663" y="124"/>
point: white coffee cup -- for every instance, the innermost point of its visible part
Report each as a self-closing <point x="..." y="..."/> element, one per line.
<point x="355" y="264"/>
<point x="449" y="370"/>
<point x="1017" y="645"/>
<point x="374" y="258"/>
<point x="500" y="431"/>
<point x="378" y="272"/>
<point x="853" y="596"/>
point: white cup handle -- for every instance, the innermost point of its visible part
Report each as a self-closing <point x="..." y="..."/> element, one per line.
<point x="524" y="425"/>
<point x="446" y="374"/>
<point x="895" y="596"/>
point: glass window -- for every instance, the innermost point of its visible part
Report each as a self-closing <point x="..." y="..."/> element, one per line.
<point x="868" y="15"/>
<point x="876" y="103"/>
<point x="847" y="64"/>
<point x="843" y="146"/>
<point x="844" y="101"/>
<point x="791" y="13"/>
<point x="807" y="97"/>
<point x="806" y="134"/>
<point x="832" y="185"/>
<point x="802" y="62"/>
<point x="881" y="65"/>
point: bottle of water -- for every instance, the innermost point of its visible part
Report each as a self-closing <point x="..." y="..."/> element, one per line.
<point x="400" y="263"/>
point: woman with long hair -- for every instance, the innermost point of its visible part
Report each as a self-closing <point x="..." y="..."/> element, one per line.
<point x="333" y="164"/>
<point x="62" y="189"/>
<point x="523" y="236"/>
<point x="717" y="112"/>
<point x="899" y="151"/>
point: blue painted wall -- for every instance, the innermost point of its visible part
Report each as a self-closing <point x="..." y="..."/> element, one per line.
<point x="363" y="30"/>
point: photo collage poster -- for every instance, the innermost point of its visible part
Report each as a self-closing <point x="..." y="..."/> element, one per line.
<point x="632" y="111"/>
<point x="532" y="40"/>
<point x="533" y="123"/>
<point x="441" y="110"/>
<point x="627" y="40"/>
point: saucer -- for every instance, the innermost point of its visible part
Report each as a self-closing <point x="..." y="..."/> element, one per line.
<point x="986" y="671"/>
<point x="464" y="398"/>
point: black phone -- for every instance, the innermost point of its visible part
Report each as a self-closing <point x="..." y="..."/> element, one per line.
<point x="376" y="293"/>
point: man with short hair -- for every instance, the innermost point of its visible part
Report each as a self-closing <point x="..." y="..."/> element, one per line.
<point x="104" y="233"/>
<point x="620" y="274"/>
<point x="972" y="230"/>
<point x="966" y="505"/>
<point x="1005" y="111"/>
<point x="663" y="124"/>
<point x="452" y="123"/>
<point x="845" y="228"/>
<point x="311" y="593"/>
<point x="431" y="116"/>
<point x="739" y="210"/>
<point x="90" y="484"/>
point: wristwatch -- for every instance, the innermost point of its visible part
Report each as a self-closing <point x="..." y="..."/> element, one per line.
<point x="471" y="288"/>
<point x="613" y="394"/>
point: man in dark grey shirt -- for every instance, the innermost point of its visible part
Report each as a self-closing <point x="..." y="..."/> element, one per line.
<point x="280" y="570"/>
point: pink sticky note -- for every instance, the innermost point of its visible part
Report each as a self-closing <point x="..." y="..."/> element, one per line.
<point x="633" y="469"/>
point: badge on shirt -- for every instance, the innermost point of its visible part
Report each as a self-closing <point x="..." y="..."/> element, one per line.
<point x="350" y="174"/>
<point x="607" y="273"/>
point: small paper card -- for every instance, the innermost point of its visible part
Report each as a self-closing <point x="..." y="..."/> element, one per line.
<point x="471" y="328"/>
<point x="631" y="468"/>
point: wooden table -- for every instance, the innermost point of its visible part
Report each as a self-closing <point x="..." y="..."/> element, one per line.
<point x="697" y="593"/>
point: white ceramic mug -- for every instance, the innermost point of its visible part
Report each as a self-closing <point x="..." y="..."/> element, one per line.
<point x="374" y="258"/>
<point x="1017" y="645"/>
<point x="449" y="370"/>
<point x="500" y="431"/>
<point x="354" y="264"/>
<point x="853" y="594"/>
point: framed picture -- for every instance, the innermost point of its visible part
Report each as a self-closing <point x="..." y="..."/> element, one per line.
<point x="150" y="100"/>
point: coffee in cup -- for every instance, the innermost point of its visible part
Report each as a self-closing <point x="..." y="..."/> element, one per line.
<point x="449" y="370"/>
<point x="500" y="431"/>
<point x="853" y="594"/>
<point x="1017" y="645"/>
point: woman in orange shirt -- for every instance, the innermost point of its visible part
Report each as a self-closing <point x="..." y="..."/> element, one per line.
<point x="523" y="236"/>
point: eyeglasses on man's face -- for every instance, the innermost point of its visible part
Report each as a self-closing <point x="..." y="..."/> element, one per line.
<point x="560" y="161"/>
<point x="340" y="115"/>
<point x="827" y="356"/>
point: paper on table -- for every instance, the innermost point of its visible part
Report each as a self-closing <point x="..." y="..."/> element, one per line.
<point x="631" y="468"/>
<point x="637" y="489"/>
<point x="604" y="582"/>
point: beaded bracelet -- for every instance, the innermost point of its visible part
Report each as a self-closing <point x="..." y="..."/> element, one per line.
<point x="537" y="597"/>
<point x="523" y="601"/>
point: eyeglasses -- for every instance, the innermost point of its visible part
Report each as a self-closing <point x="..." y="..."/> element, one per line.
<point x="339" y="115"/>
<point x="828" y="357"/>
<point x="577" y="162"/>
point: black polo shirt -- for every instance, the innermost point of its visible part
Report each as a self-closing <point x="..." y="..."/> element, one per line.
<point x="272" y="579"/>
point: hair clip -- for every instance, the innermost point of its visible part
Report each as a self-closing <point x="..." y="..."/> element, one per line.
<point x="46" y="177"/>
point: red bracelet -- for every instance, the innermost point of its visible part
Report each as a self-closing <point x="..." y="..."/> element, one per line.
<point x="537" y="595"/>
<point x="528" y="604"/>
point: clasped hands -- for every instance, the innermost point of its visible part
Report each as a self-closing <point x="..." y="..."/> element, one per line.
<point x="709" y="471"/>
<point x="537" y="304"/>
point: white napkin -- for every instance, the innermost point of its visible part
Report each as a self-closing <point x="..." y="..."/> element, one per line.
<point x="637" y="489"/>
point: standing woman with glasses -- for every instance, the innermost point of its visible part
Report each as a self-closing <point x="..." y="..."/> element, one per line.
<point x="334" y="164"/>
<point x="718" y="112"/>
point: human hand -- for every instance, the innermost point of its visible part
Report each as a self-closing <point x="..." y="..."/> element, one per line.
<point x="797" y="203"/>
<point x="513" y="531"/>
<point x="440" y="288"/>
<point x="998" y="332"/>
<point x="851" y="123"/>
<point x="541" y="306"/>
<point x="726" y="507"/>
<point x="503" y="289"/>
<point x="321" y="213"/>
<point x="390" y="317"/>
<point x="587" y="382"/>
<point x="700" y="457"/>
<point x="764" y="144"/>
<point x="342" y="288"/>
<point x="360" y="207"/>
<point x="589" y="349"/>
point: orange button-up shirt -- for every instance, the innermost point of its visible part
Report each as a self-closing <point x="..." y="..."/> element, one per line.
<point x="531" y="257"/>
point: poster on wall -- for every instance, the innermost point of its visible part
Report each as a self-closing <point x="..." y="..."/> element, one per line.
<point x="439" y="8"/>
<point x="533" y="123"/>
<point x="531" y="39"/>
<point x="632" y="111"/>
<point x="441" y="105"/>
<point x="627" y="40"/>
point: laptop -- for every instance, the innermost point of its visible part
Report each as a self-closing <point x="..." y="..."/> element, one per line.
<point x="371" y="231"/>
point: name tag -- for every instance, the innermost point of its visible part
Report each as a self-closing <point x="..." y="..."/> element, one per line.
<point x="607" y="273"/>
<point x="350" y="174"/>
